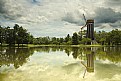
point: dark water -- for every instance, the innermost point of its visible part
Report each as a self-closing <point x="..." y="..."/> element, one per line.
<point x="60" y="64"/>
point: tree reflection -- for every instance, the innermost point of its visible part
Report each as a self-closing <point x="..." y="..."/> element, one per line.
<point x="89" y="54"/>
<point x="112" y="54"/>
<point x="75" y="52"/>
<point x="19" y="56"/>
<point x="15" y="56"/>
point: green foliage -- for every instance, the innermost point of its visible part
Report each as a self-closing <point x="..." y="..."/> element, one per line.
<point x="68" y="38"/>
<point x="17" y="35"/>
<point x="110" y="38"/>
<point x="115" y="36"/>
<point x="61" y="40"/>
<point x="2" y="33"/>
<point x="55" y="41"/>
<point x="85" y="40"/>
<point x="41" y="40"/>
<point x="75" y="40"/>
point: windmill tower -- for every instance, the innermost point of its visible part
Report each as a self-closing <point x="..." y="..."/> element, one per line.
<point x="90" y="29"/>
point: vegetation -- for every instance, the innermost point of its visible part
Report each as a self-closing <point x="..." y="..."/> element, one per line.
<point x="109" y="38"/>
<point x="16" y="35"/>
<point x="102" y="38"/>
<point x="19" y="35"/>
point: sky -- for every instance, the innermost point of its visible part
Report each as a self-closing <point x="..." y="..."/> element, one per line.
<point x="60" y="17"/>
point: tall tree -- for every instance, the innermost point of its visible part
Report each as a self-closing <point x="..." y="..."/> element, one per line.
<point x="9" y="38"/>
<point x="68" y="38"/>
<point x="1" y="36"/>
<point x="115" y="37"/>
<point x="75" y="40"/>
<point x="16" y="29"/>
<point x="61" y="40"/>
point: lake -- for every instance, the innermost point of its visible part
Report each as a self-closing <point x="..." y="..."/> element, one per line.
<point x="60" y="64"/>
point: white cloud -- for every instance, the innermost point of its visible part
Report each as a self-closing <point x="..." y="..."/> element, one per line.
<point x="43" y="17"/>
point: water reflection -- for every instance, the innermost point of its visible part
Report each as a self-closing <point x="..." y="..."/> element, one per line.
<point x="85" y="54"/>
<point x="112" y="54"/>
<point x="14" y="56"/>
<point x="19" y="56"/>
<point x="90" y="62"/>
<point x="61" y="63"/>
<point x="88" y="55"/>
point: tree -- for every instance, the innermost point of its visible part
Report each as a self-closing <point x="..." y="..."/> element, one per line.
<point x="46" y="40"/>
<point x="21" y="35"/>
<point x="68" y="38"/>
<point x="16" y="29"/>
<point x="1" y="35"/>
<point x="61" y="40"/>
<point x="103" y="40"/>
<point x="16" y="35"/>
<point x="9" y="37"/>
<point x="54" y="41"/>
<point x="75" y="40"/>
<point x="115" y="37"/>
<point x="85" y="40"/>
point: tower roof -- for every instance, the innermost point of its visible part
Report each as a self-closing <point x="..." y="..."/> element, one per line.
<point x="90" y="21"/>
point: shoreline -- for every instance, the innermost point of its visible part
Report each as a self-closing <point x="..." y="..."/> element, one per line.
<point x="32" y="45"/>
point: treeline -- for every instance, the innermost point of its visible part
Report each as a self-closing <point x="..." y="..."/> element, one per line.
<point x="16" y="35"/>
<point x="104" y="38"/>
<point x="19" y="35"/>
<point x="68" y="40"/>
<point x="108" y="38"/>
<point x="53" y="40"/>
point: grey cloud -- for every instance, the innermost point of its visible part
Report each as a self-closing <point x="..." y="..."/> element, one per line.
<point x="7" y="11"/>
<point x="3" y="10"/>
<point x="34" y="1"/>
<point x="73" y="17"/>
<point x="113" y="2"/>
<point x="116" y="24"/>
<point x="10" y="17"/>
<point x="2" y="7"/>
<point x="107" y="15"/>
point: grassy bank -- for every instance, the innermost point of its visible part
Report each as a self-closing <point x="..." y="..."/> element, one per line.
<point x="32" y="45"/>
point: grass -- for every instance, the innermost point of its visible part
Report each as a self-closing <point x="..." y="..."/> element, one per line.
<point x="32" y="45"/>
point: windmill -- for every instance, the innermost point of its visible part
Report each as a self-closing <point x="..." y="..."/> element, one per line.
<point x="84" y="25"/>
<point x="90" y="28"/>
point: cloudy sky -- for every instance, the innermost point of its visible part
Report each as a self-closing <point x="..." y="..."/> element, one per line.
<point x="60" y="17"/>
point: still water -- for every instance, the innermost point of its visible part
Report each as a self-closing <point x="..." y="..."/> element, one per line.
<point x="60" y="64"/>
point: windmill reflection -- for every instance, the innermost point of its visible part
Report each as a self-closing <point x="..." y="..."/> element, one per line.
<point x="86" y="54"/>
<point x="90" y="61"/>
